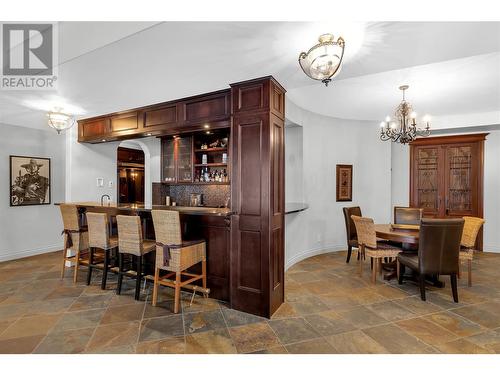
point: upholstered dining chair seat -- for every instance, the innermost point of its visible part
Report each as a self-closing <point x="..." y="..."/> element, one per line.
<point x="409" y="259"/>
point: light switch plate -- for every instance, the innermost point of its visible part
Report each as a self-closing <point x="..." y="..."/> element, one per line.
<point x="100" y="182"/>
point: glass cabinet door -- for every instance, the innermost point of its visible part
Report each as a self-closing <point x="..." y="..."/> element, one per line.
<point x="427" y="181"/>
<point x="185" y="159"/>
<point x="461" y="180"/>
<point x="168" y="160"/>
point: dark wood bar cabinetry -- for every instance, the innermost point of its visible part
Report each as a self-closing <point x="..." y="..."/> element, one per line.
<point x="168" y="118"/>
<point x="229" y="146"/>
<point x="258" y="199"/>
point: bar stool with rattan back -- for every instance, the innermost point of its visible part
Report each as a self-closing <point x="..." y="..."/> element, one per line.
<point x="99" y="238"/>
<point x="472" y="226"/>
<point x="131" y="242"/>
<point x="176" y="256"/>
<point x="369" y="246"/>
<point x="75" y="237"/>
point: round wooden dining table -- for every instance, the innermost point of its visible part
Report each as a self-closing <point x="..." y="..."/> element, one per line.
<point x="387" y="232"/>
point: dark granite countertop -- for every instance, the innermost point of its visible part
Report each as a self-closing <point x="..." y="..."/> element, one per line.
<point x="293" y="207"/>
<point x="147" y="208"/>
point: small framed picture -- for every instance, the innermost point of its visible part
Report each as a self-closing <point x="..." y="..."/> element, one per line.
<point x="344" y="183"/>
<point x="29" y="181"/>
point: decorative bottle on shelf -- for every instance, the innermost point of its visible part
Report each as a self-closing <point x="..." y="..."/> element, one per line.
<point x="224" y="178"/>
<point x="204" y="159"/>
<point x="205" y="175"/>
<point x="224" y="158"/>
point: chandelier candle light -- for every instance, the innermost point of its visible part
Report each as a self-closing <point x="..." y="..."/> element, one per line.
<point x="59" y="120"/>
<point x="404" y="127"/>
<point x="322" y="62"/>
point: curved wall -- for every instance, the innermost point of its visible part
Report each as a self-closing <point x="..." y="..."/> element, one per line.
<point x="329" y="141"/>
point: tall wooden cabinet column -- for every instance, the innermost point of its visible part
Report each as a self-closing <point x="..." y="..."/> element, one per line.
<point x="446" y="176"/>
<point x="258" y="196"/>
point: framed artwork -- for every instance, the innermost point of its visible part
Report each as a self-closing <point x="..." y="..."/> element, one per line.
<point x="344" y="183"/>
<point x="29" y="181"/>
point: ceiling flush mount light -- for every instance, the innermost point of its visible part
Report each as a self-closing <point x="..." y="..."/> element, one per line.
<point x="403" y="128"/>
<point x="59" y="120"/>
<point x="322" y="62"/>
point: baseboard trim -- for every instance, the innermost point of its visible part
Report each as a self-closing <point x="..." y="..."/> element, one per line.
<point x="312" y="252"/>
<point x="490" y="248"/>
<point x="30" y="252"/>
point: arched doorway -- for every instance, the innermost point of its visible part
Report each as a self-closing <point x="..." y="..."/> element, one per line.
<point x="131" y="173"/>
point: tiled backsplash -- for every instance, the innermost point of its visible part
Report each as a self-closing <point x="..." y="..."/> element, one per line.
<point x="213" y="195"/>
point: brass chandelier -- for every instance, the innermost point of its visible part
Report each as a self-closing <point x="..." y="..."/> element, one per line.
<point x="403" y="128"/>
<point x="322" y="62"/>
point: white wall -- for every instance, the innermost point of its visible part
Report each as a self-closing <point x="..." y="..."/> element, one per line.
<point x="30" y="230"/>
<point x="401" y="176"/>
<point x="294" y="171"/>
<point x="327" y="142"/>
<point x="87" y="162"/>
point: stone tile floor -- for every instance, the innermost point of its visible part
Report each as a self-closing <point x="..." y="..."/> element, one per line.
<point x="329" y="308"/>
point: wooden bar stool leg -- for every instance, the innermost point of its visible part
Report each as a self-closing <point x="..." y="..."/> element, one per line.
<point x="105" y="269"/>
<point x="469" y="272"/>
<point x="204" y="273"/>
<point x="374" y="271"/>
<point x="91" y="259"/>
<point x="65" y="252"/>
<point x="120" y="273"/>
<point x="138" y="278"/>
<point x="177" y="292"/>
<point x="380" y="266"/>
<point x="156" y="285"/>
<point x="398" y="269"/>
<point x="77" y="263"/>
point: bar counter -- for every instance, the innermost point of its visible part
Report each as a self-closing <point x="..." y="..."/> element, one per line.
<point x="211" y="211"/>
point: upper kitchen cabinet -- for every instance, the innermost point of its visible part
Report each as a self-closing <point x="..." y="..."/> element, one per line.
<point x="96" y="128"/>
<point x="213" y="108"/>
<point x="124" y="123"/>
<point x="161" y="117"/>
<point x="168" y="118"/>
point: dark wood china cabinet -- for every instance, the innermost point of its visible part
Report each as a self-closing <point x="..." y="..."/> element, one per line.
<point x="446" y="176"/>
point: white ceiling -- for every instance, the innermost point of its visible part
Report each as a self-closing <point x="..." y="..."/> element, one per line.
<point x="451" y="67"/>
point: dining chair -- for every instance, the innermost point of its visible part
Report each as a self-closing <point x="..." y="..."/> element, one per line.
<point x="407" y="215"/>
<point x="369" y="246"/>
<point x="99" y="238"/>
<point x="472" y="226"/>
<point x="75" y="237"/>
<point x="352" y="238"/>
<point x="438" y="252"/>
<point x="175" y="256"/>
<point x="131" y="243"/>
